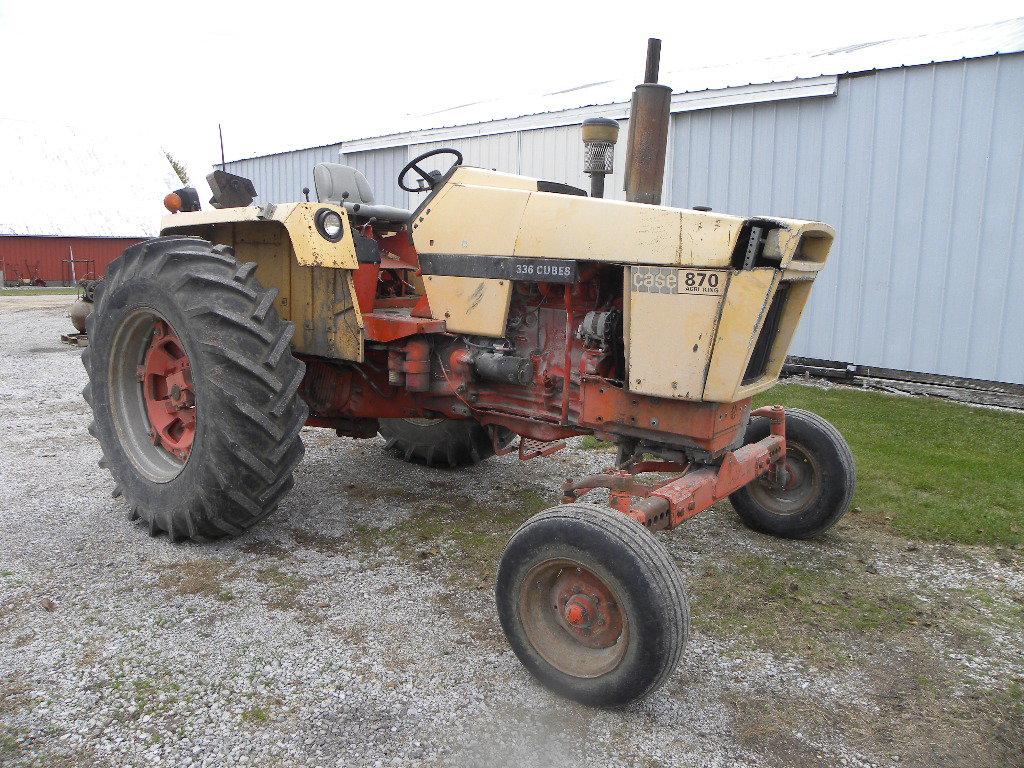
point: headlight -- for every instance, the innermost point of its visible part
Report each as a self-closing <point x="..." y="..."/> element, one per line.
<point x="329" y="225"/>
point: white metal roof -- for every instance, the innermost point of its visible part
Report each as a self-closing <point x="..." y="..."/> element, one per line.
<point x="59" y="180"/>
<point x="779" y="77"/>
<point x="969" y="43"/>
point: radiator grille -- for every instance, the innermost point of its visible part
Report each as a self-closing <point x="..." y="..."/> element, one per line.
<point x="766" y="339"/>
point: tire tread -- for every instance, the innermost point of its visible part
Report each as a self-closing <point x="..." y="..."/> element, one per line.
<point x="658" y="570"/>
<point x="255" y="443"/>
<point x="446" y="444"/>
<point x="760" y="519"/>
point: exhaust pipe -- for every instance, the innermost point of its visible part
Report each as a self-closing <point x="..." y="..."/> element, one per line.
<point x="647" y="142"/>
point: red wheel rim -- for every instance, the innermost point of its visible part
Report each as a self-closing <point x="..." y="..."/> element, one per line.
<point x="572" y="618"/>
<point x="586" y="608"/>
<point x="166" y="378"/>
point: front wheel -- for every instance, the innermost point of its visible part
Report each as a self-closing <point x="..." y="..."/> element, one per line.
<point x="592" y="604"/>
<point x="818" y="486"/>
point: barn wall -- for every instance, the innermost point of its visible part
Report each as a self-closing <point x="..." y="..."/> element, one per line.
<point x="381" y="167"/>
<point x="918" y="168"/>
<point x="27" y="255"/>
<point x="281" y="178"/>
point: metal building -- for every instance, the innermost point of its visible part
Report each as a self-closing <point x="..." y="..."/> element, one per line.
<point x="912" y="148"/>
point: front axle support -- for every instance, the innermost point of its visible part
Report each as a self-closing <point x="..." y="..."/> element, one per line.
<point x="667" y="505"/>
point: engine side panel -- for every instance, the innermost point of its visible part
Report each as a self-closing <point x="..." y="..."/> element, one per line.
<point x="473" y="305"/>
<point x="671" y="334"/>
<point x="564" y="226"/>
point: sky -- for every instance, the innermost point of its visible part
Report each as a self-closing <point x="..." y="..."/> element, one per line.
<point x="283" y="76"/>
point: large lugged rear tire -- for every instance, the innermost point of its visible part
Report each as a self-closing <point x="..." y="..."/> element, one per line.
<point x="820" y="484"/>
<point x="193" y="388"/>
<point x="592" y="604"/>
<point x="437" y="442"/>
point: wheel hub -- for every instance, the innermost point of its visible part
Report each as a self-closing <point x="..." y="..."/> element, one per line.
<point x="573" y="618"/>
<point x="166" y="379"/>
<point x="786" y="476"/>
<point x="794" y="487"/>
<point x="586" y="608"/>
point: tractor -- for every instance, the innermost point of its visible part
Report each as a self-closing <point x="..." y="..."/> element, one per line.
<point x="503" y="314"/>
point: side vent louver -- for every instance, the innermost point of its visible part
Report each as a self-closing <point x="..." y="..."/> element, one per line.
<point x="766" y="339"/>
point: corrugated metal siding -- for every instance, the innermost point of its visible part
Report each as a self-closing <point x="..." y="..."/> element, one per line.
<point x="919" y="169"/>
<point x="280" y="178"/>
<point x="381" y="167"/>
<point x="499" y="152"/>
<point x="24" y="255"/>
<point x="556" y="154"/>
<point x="741" y="79"/>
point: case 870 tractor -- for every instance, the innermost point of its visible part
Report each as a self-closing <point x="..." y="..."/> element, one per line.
<point x="504" y="313"/>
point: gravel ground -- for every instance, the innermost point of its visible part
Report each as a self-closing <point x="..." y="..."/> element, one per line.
<point x="356" y="626"/>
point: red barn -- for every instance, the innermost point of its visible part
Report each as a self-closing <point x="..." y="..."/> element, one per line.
<point x="71" y="200"/>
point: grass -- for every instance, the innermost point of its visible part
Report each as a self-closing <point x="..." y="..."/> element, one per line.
<point x="56" y="291"/>
<point x="927" y="468"/>
<point x="1011" y="705"/>
<point x="204" y="576"/>
<point x="799" y="608"/>
<point x="471" y="533"/>
<point x="255" y="716"/>
<point x="284" y="591"/>
<point x="14" y="700"/>
<point x="10" y="744"/>
<point x="212" y="578"/>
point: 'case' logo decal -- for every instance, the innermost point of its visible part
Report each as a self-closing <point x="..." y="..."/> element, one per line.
<point x="699" y="282"/>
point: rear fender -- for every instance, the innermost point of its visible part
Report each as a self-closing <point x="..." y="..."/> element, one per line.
<point x="313" y="276"/>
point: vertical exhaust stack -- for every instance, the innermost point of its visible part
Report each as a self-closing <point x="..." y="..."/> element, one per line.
<point x="648" y="133"/>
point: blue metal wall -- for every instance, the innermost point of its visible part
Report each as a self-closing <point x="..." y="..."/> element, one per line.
<point x="381" y="167"/>
<point x="280" y="178"/>
<point x="919" y="169"/>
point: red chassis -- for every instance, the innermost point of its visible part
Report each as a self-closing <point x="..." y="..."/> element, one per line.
<point x="674" y="501"/>
<point x="415" y="368"/>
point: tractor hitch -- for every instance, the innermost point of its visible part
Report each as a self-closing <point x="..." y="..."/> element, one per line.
<point x="666" y="505"/>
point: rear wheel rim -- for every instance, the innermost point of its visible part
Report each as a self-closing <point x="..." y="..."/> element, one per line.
<point x="573" y="619"/>
<point x="152" y="395"/>
<point x="802" y="486"/>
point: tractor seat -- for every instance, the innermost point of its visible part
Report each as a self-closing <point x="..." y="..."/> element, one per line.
<point x="333" y="180"/>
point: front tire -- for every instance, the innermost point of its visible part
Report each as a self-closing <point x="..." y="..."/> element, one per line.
<point x="193" y="388"/>
<point x="592" y="604"/>
<point x="820" y="484"/>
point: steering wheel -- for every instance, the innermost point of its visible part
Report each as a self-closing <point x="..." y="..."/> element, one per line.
<point x="426" y="178"/>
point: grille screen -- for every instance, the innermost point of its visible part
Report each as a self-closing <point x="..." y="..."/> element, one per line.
<point x="766" y="339"/>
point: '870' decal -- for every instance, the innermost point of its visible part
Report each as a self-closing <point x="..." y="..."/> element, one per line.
<point x="700" y="282"/>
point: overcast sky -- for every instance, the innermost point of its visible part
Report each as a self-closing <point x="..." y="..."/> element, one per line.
<point x="289" y="75"/>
